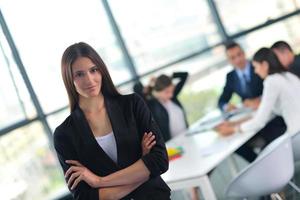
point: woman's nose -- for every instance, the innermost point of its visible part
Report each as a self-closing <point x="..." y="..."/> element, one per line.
<point x="88" y="77"/>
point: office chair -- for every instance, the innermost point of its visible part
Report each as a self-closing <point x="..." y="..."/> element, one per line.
<point x="269" y="173"/>
<point x="296" y="146"/>
<point x="296" y="149"/>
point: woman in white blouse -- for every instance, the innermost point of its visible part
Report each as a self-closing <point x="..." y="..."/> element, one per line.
<point x="280" y="96"/>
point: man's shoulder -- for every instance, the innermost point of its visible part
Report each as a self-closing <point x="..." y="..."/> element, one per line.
<point x="231" y="74"/>
<point x="297" y="60"/>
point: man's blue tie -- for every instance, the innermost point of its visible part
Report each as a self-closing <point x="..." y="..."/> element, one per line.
<point x="246" y="89"/>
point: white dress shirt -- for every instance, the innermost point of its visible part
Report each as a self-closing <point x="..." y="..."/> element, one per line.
<point x="281" y="96"/>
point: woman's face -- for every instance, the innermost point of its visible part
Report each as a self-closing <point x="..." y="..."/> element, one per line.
<point x="261" y="68"/>
<point x="166" y="94"/>
<point x="86" y="77"/>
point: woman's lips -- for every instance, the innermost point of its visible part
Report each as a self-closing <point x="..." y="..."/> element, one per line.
<point x="91" y="87"/>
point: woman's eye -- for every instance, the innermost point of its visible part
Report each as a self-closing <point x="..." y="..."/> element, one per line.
<point x="94" y="70"/>
<point x="79" y="74"/>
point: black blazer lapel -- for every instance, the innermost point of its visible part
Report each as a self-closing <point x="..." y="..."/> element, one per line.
<point x="89" y="149"/>
<point x="120" y="128"/>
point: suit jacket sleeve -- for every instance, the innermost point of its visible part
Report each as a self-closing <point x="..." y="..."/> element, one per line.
<point x="157" y="159"/>
<point x="227" y="93"/>
<point x="66" y="151"/>
<point x="183" y="77"/>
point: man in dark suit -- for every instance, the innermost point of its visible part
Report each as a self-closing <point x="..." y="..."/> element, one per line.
<point x="287" y="57"/>
<point x="245" y="83"/>
<point x="242" y="80"/>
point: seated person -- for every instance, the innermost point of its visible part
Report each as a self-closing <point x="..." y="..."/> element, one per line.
<point x="241" y="80"/>
<point x="279" y="96"/>
<point x="287" y="57"/>
<point x="245" y="83"/>
<point x="165" y="107"/>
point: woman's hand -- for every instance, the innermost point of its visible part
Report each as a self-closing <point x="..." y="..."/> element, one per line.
<point x="225" y="129"/>
<point x="77" y="172"/>
<point x="148" y="142"/>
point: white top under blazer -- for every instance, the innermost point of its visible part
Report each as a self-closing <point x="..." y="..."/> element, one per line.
<point x="281" y="96"/>
<point x="109" y="146"/>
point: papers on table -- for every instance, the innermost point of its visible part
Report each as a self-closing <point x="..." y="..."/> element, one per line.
<point x="215" y="118"/>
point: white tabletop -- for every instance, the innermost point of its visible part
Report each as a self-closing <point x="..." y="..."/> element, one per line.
<point x="202" y="152"/>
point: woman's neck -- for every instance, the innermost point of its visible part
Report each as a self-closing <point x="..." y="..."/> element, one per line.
<point x="91" y="105"/>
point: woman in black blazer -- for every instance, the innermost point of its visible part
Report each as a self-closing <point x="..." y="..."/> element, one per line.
<point x="164" y="91"/>
<point x="99" y="144"/>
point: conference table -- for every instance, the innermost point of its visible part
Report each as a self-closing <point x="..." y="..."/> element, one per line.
<point x="203" y="149"/>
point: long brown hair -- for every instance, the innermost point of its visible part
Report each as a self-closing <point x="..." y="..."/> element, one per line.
<point x="75" y="51"/>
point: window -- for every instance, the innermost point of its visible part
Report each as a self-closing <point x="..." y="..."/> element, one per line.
<point x="43" y="33"/>
<point x="28" y="168"/>
<point x="239" y="15"/>
<point x="15" y="101"/>
<point x="160" y="31"/>
<point x="55" y="120"/>
<point x="287" y="30"/>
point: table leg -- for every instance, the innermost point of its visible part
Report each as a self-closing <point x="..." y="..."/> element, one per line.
<point x="203" y="182"/>
<point x="206" y="188"/>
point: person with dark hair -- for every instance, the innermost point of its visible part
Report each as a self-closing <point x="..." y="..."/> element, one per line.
<point x="287" y="57"/>
<point x="167" y="109"/>
<point x="278" y="98"/>
<point x="109" y="146"/>
<point x="243" y="81"/>
<point x="165" y="106"/>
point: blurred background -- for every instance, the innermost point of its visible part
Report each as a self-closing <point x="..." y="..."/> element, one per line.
<point x="137" y="39"/>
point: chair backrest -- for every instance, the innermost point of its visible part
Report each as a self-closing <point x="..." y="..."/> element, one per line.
<point x="296" y="146"/>
<point x="269" y="173"/>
